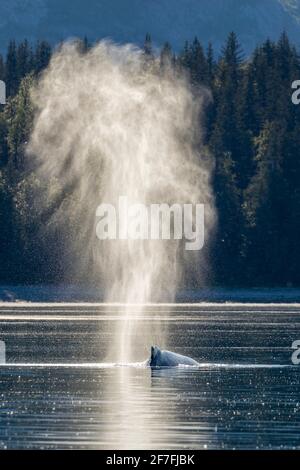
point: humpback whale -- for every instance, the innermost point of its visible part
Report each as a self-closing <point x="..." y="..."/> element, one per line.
<point x="161" y="358"/>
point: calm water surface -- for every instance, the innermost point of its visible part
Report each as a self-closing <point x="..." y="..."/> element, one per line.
<point x="58" y="391"/>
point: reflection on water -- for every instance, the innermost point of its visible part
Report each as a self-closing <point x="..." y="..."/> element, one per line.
<point x="129" y="410"/>
<point x="125" y="408"/>
<point x="251" y="401"/>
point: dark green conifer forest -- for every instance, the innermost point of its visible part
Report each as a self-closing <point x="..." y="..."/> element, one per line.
<point x="252" y="130"/>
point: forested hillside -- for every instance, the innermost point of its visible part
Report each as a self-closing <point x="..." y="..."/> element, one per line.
<point x="252" y="133"/>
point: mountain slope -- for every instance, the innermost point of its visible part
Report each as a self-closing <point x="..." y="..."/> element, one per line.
<point x="129" y="20"/>
<point x="292" y="7"/>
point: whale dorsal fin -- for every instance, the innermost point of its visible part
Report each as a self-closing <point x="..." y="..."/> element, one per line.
<point x="154" y="351"/>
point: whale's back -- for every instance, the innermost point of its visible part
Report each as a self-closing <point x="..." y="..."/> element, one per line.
<point x="163" y="358"/>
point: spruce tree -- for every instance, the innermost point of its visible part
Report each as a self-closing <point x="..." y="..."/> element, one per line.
<point x="148" y="46"/>
<point x="11" y="70"/>
<point x="2" y="68"/>
<point x="198" y="64"/>
<point x="166" y="56"/>
<point x="19" y="115"/>
<point x="210" y="64"/>
<point x="42" y="56"/>
<point x="23" y="60"/>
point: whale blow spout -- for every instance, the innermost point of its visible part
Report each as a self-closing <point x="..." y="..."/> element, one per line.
<point x="162" y="358"/>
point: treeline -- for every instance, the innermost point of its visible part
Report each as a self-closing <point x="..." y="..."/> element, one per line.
<point x="252" y="130"/>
